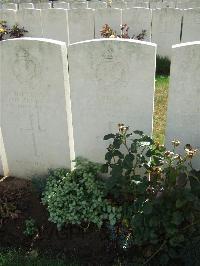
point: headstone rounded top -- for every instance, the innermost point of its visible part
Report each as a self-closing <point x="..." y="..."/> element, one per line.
<point x="115" y="40"/>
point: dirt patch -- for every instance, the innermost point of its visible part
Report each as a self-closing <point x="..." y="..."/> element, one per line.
<point x="19" y="201"/>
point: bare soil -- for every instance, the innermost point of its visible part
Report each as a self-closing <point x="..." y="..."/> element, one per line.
<point x="19" y="201"/>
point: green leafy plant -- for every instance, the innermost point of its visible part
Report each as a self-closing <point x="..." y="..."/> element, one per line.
<point x="39" y="183"/>
<point x="16" y="31"/>
<point x="108" y="32"/>
<point x="30" y="227"/>
<point x="3" y="29"/>
<point x="78" y="197"/>
<point x="155" y="188"/>
<point x="163" y="65"/>
<point x="7" y="210"/>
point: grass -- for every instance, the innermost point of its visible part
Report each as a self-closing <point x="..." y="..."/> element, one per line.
<point x="19" y="258"/>
<point x="163" y="66"/>
<point x="160" y="108"/>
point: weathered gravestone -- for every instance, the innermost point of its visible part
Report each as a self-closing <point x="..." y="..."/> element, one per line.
<point x="183" y="120"/>
<point x="58" y="4"/>
<point x="55" y="24"/>
<point x="137" y="3"/>
<point x="97" y="4"/>
<point x="9" y="16"/>
<point x="3" y="160"/>
<point x="34" y="89"/>
<point x="138" y="19"/>
<point x="9" y="6"/>
<point x="30" y="19"/>
<point x="166" y="29"/>
<point x="164" y="4"/>
<point x="118" y="4"/>
<point x="81" y="25"/>
<point x="187" y="4"/>
<point x="42" y="5"/>
<point x="110" y="16"/>
<point x="111" y="81"/>
<point x="153" y="4"/>
<point x="26" y="5"/>
<point x="191" y="25"/>
<point x="78" y="5"/>
<point x="1" y="168"/>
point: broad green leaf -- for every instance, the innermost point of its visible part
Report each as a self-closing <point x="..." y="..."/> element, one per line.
<point x="138" y="132"/>
<point x="116" y="171"/>
<point x="108" y="156"/>
<point x="109" y="136"/>
<point x="128" y="161"/>
<point x="117" y="143"/>
<point x="134" y="147"/>
<point x="118" y="153"/>
<point x="147" y="208"/>
<point x="177" y="218"/>
<point x="180" y="203"/>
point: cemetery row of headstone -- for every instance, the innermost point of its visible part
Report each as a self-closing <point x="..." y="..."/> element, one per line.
<point x="104" y="4"/>
<point x="58" y="102"/>
<point x="164" y="27"/>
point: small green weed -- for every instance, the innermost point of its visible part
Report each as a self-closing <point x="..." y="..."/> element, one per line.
<point x="20" y="258"/>
<point x="31" y="227"/>
<point x="163" y="66"/>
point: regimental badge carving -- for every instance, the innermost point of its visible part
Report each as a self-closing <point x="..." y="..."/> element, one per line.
<point x="25" y="67"/>
<point x="108" y="54"/>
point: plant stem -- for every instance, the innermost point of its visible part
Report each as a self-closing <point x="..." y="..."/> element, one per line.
<point x="156" y="252"/>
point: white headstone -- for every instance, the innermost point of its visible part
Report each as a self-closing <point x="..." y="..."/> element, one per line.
<point x="59" y="4"/>
<point x="97" y="4"/>
<point x="153" y="4"/>
<point x="183" y="120"/>
<point x="187" y="4"/>
<point x="79" y="5"/>
<point x="34" y="91"/>
<point x="191" y="25"/>
<point x="55" y="24"/>
<point x="1" y="168"/>
<point x="30" y="19"/>
<point x="111" y="81"/>
<point x="26" y="5"/>
<point x="138" y="19"/>
<point x="81" y="25"/>
<point x="166" y="29"/>
<point x="41" y="5"/>
<point x="9" y="16"/>
<point x="116" y="4"/>
<point x="3" y="159"/>
<point x="137" y="3"/>
<point x="168" y="4"/>
<point x="110" y="16"/>
<point x="9" y="6"/>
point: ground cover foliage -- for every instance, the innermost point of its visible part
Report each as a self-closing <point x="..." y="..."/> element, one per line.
<point x="142" y="207"/>
<point x="163" y="65"/>
<point x="19" y="258"/>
